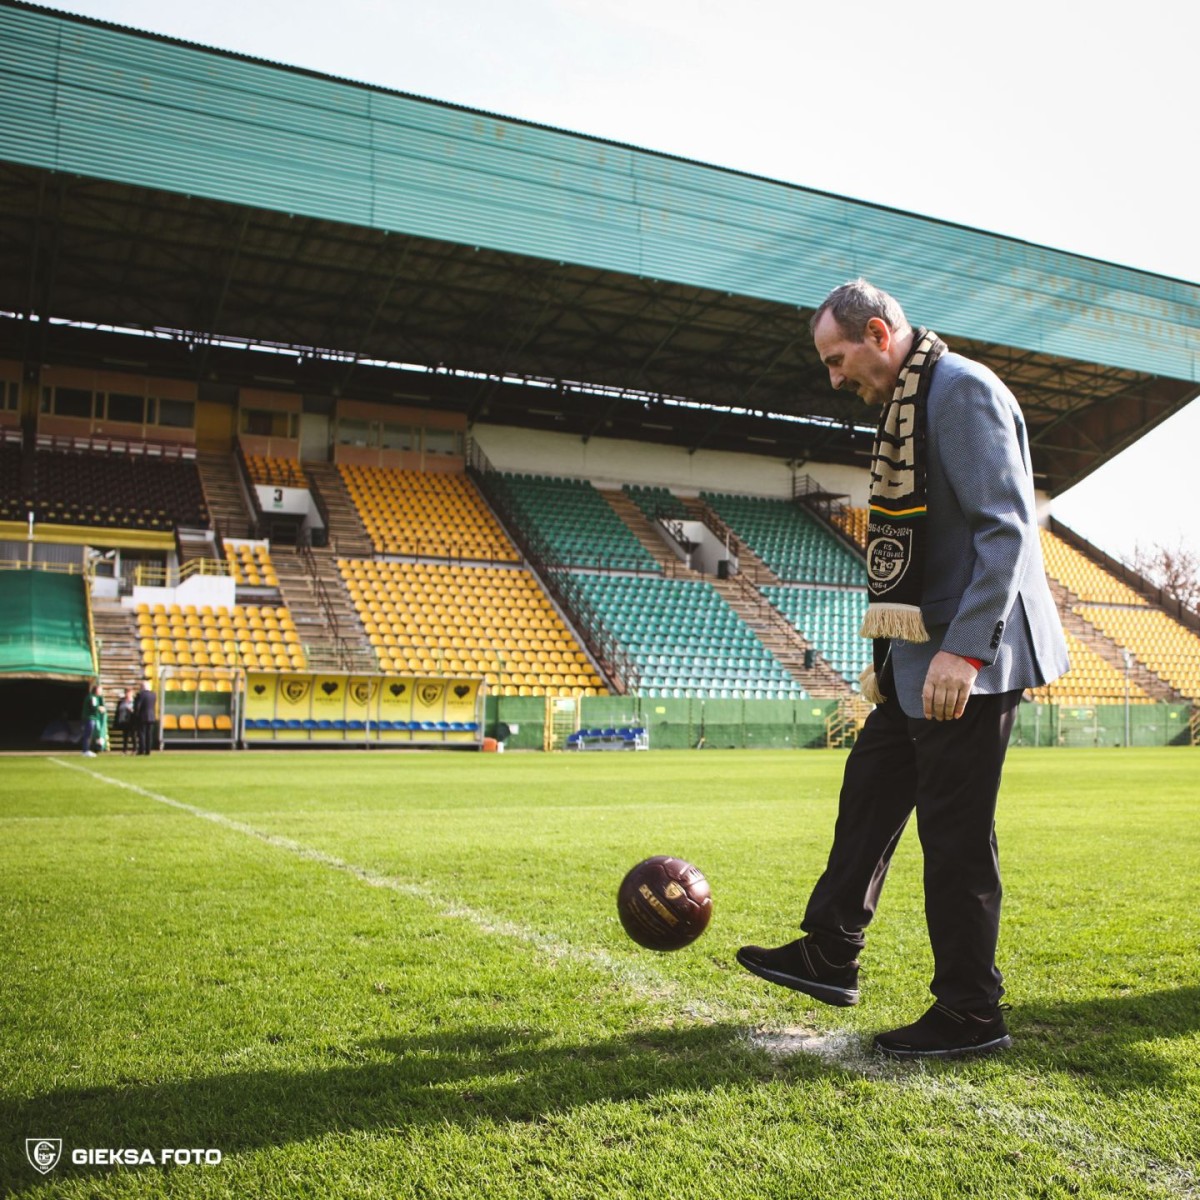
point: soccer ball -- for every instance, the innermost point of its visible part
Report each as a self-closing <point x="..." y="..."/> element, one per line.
<point x="664" y="903"/>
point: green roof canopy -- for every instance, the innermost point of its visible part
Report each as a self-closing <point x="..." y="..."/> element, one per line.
<point x="149" y="183"/>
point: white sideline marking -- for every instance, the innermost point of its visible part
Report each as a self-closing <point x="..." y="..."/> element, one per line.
<point x="649" y="982"/>
<point x="838" y="1048"/>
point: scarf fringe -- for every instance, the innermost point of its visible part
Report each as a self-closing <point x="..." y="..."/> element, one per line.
<point x="868" y="684"/>
<point x="902" y="621"/>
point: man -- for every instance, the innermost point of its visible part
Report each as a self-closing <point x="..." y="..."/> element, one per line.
<point x="92" y="714"/>
<point x="145" y="715"/>
<point x="125" y="721"/>
<point x="962" y="622"/>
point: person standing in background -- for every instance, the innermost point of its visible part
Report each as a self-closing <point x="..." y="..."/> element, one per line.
<point x="93" y="712"/>
<point x="145" y="713"/>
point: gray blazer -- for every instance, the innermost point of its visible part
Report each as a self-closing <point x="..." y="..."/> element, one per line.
<point x="985" y="594"/>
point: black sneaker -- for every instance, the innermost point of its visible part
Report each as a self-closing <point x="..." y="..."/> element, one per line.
<point x="801" y="966"/>
<point x="947" y="1033"/>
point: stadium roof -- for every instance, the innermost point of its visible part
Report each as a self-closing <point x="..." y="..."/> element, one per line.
<point x="149" y="184"/>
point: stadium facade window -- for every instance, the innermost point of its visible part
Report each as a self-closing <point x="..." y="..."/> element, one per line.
<point x="357" y="433"/>
<point x="10" y="395"/>
<point x="264" y="422"/>
<point x="120" y="406"/>
<point x="68" y="402"/>
<point x="176" y="414"/>
<point x="443" y="441"/>
<point x="398" y="437"/>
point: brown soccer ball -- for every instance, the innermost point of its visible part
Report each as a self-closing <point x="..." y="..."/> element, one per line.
<point x="664" y="903"/>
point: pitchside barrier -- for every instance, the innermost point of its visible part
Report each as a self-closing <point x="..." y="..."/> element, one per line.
<point x="521" y="723"/>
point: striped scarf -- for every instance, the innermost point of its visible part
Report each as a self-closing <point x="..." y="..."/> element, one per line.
<point x="896" y="527"/>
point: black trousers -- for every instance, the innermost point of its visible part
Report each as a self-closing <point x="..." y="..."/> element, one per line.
<point x="948" y="772"/>
<point x="145" y="736"/>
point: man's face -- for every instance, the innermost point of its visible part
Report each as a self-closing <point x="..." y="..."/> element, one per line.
<point x="863" y="367"/>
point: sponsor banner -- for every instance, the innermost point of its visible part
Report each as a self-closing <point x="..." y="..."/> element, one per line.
<point x="429" y="699"/>
<point x="461" y="695"/>
<point x="260" y="696"/>
<point x="395" y="701"/>
<point x="362" y="699"/>
<point x="293" y="697"/>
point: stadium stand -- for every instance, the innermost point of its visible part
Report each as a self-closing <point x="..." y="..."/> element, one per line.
<point x="656" y="502"/>
<point x="250" y="564"/>
<point x="1154" y="639"/>
<point x="425" y="515"/>
<point x="853" y="523"/>
<point x="830" y="619"/>
<point x="275" y="472"/>
<point x="1081" y="576"/>
<point x="1091" y="680"/>
<point x="684" y="639"/>
<point x="137" y="487"/>
<point x="426" y="618"/>
<point x="13" y="503"/>
<point x="789" y="540"/>
<point x="575" y="523"/>
<point x="258" y="638"/>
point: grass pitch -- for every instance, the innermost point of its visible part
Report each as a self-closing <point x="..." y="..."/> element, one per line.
<point x="388" y="975"/>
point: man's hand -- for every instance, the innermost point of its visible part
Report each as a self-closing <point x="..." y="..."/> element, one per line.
<point x="947" y="687"/>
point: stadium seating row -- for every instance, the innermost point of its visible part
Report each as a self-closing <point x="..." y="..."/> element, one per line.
<point x="275" y="472"/>
<point x="489" y="621"/>
<point x="413" y="513"/>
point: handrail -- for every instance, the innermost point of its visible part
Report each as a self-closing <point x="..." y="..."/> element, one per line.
<point x="600" y="641"/>
<point x="1126" y="574"/>
<point x="246" y="482"/>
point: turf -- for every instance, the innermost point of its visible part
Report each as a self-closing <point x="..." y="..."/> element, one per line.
<point x="390" y="975"/>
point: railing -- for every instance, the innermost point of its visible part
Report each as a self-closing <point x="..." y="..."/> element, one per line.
<point x="1127" y="575"/>
<point x="600" y="641"/>
<point x="246" y="483"/>
<point x="14" y="564"/>
<point x="158" y="575"/>
<point x="808" y="493"/>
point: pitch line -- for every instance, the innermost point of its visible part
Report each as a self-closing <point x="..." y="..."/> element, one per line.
<point x="837" y="1048"/>
<point x="653" y="985"/>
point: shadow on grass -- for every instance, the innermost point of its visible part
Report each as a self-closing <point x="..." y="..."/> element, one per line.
<point x="1105" y="1040"/>
<point x="459" y="1077"/>
<point x="469" y="1077"/>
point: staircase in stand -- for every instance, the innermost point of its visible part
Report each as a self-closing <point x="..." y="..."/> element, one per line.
<point x="641" y="527"/>
<point x="844" y="724"/>
<point x="782" y="638"/>
<point x="1153" y="685"/>
<point x="324" y="616"/>
<point x="346" y="532"/>
<point x="750" y="566"/>
<point x="223" y="494"/>
<point x="118" y="651"/>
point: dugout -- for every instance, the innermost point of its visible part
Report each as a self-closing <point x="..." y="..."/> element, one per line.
<point x="47" y="657"/>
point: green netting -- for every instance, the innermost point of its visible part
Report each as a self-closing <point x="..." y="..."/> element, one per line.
<point x="737" y="724"/>
<point x="44" y="624"/>
<point x="1101" y="725"/>
<point x="518" y="721"/>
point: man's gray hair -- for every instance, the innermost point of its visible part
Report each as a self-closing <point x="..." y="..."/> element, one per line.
<point x="853" y="304"/>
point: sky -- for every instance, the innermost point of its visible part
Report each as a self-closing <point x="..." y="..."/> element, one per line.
<point x="1066" y="124"/>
